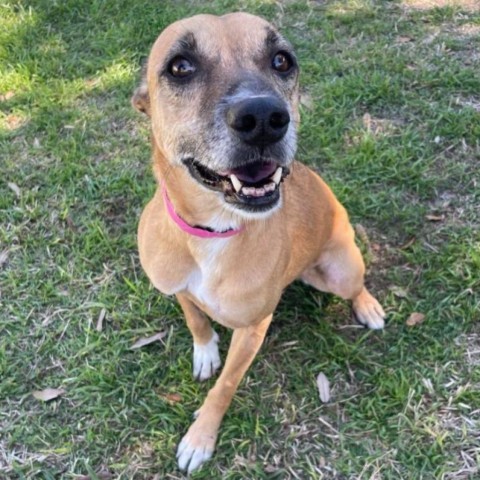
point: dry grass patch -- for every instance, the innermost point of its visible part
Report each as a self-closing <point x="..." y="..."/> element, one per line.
<point x="468" y="5"/>
<point x="471" y="345"/>
<point x="470" y="102"/>
<point x="466" y="31"/>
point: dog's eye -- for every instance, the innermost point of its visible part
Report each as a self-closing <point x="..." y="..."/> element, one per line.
<point x="180" y="67"/>
<point x="282" y="62"/>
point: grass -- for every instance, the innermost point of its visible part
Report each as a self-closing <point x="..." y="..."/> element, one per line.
<point x="391" y="118"/>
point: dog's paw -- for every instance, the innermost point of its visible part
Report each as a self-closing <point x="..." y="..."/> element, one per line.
<point x="368" y="311"/>
<point x="196" y="447"/>
<point x="206" y="359"/>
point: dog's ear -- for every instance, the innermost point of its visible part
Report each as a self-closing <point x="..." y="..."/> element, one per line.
<point x="140" y="98"/>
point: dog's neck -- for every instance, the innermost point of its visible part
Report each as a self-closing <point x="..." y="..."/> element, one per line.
<point x="195" y="230"/>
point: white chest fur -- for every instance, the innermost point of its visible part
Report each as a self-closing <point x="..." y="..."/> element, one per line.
<point x="202" y="278"/>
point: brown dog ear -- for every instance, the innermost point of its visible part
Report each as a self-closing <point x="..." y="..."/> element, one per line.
<point x="140" y="99"/>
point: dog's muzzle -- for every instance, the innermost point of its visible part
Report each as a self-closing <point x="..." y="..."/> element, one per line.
<point x="257" y="126"/>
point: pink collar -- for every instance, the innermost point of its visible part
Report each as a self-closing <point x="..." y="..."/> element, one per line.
<point x="195" y="231"/>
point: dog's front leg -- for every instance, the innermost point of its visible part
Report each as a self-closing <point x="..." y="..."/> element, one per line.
<point x="198" y="444"/>
<point x="206" y="359"/>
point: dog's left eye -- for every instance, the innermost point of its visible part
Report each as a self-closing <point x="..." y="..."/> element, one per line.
<point x="180" y="67"/>
<point x="282" y="62"/>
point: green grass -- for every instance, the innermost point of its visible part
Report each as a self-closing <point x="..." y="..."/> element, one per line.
<point x="405" y="401"/>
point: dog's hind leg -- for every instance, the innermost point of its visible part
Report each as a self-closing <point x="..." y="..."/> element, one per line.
<point x="198" y="444"/>
<point x="206" y="358"/>
<point x="340" y="270"/>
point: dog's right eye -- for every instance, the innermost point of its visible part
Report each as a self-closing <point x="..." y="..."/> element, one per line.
<point x="180" y="67"/>
<point x="282" y="62"/>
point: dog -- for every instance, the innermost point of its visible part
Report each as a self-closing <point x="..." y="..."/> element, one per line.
<point x="235" y="219"/>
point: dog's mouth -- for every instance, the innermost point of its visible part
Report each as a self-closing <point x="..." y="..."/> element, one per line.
<point x="252" y="187"/>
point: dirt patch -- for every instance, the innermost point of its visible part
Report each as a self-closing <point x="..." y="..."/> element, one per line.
<point x="468" y="5"/>
<point x="466" y="31"/>
<point x="471" y="345"/>
<point x="19" y="455"/>
<point x="470" y="102"/>
<point x="463" y="430"/>
<point x="374" y="127"/>
<point x="380" y="126"/>
<point x="14" y="122"/>
<point x="453" y="210"/>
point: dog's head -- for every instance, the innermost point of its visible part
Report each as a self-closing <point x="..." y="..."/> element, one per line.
<point x="222" y="94"/>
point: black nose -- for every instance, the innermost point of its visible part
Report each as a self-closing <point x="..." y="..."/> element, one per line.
<point x="259" y="120"/>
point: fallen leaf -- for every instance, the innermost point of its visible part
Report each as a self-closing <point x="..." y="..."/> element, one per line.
<point x="100" y="320"/>
<point x="404" y="39"/>
<point x="3" y="257"/>
<point x="399" y="291"/>
<point x="408" y="244"/>
<point x="435" y="218"/>
<point x="323" y="387"/>
<point x="415" y="319"/>
<point x="172" y="397"/>
<point x="270" y="469"/>
<point x="15" y="188"/>
<point x="48" y="394"/>
<point x="70" y="224"/>
<point x="148" y="340"/>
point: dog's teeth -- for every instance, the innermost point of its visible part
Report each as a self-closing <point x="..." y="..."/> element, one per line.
<point x="270" y="187"/>
<point x="237" y="184"/>
<point x="254" y="192"/>
<point x="277" y="176"/>
<point x="249" y="191"/>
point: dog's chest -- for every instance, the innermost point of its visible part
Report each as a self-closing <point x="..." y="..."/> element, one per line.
<point x="201" y="281"/>
<point x="231" y="287"/>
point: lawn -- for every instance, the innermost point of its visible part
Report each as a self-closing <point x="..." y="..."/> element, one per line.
<point x="390" y="118"/>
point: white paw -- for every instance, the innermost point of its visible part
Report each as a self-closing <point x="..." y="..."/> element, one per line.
<point x="368" y="311"/>
<point x="191" y="454"/>
<point x="206" y="359"/>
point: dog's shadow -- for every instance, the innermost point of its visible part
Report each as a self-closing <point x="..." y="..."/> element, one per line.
<point x="300" y="302"/>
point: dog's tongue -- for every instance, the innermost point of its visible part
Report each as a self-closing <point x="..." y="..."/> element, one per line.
<point x="255" y="172"/>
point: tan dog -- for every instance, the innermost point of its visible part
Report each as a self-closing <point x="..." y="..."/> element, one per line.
<point x="235" y="219"/>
